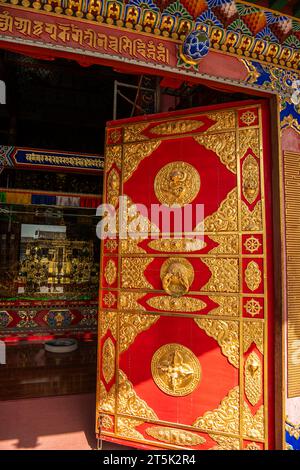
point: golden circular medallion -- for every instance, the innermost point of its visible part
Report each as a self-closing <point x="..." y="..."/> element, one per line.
<point x="177" y="184"/>
<point x="177" y="275"/>
<point x="175" y="369"/>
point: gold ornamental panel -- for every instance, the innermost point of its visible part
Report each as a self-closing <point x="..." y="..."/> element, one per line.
<point x="253" y="378"/>
<point x="175" y="369"/>
<point x="184" y="245"/>
<point x="250" y="178"/>
<point x="108" y="360"/>
<point x="225" y="418"/>
<point x="178" y="437"/>
<point x="224" y="145"/>
<point x="176" y="304"/>
<point x="177" y="275"/>
<point x="177" y="184"/>
<point x="176" y="127"/>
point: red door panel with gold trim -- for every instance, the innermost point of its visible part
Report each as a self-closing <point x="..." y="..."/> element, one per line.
<point x="186" y="321"/>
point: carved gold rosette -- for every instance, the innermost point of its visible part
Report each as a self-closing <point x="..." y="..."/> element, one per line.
<point x="177" y="184"/>
<point x="175" y="369"/>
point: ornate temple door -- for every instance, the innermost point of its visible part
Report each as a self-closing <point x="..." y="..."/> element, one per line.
<point x="186" y="322"/>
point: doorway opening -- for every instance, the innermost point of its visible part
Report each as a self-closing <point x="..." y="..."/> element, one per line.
<point x="48" y="215"/>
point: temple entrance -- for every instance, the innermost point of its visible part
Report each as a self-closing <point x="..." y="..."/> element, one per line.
<point x="52" y="152"/>
<point x="186" y="355"/>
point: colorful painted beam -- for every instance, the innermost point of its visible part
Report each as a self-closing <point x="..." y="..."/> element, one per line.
<point x="49" y="160"/>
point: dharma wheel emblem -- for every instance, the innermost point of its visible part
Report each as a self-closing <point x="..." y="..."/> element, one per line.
<point x="177" y="184"/>
<point x="175" y="369"/>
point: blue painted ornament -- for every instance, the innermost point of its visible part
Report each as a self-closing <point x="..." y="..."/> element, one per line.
<point x="195" y="46"/>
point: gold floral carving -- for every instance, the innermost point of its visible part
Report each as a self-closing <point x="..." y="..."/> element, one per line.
<point x="249" y="139"/>
<point x="184" y="245"/>
<point x="175" y="369"/>
<point x="177" y="183"/>
<point x="253" y="425"/>
<point x="133" y="133"/>
<point x="132" y="272"/>
<point x="131" y="325"/>
<point x="225" y="275"/>
<point x="251" y="220"/>
<point x="128" y="401"/>
<point x="223" y="144"/>
<point x="108" y="321"/>
<point x="113" y="188"/>
<point x="253" y="276"/>
<point x="226" y="333"/>
<point x="108" y="360"/>
<point x="253" y="446"/>
<point x="133" y="222"/>
<point x="110" y="272"/>
<point x="106" y="399"/>
<point x="225" y="218"/>
<point x="115" y="135"/>
<point x="176" y="304"/>
<point x="126" y="428"/>
<point x="253" y="332"/>
<point x="248" y="118"/>
<point x="225" y="442"/>
<point x="253" y="307"/>
<point x="134" y="154"/>
<point x="253" y="378"/>
<point x="227" y="244"/>
<point x="131" y="245"/>
<point x="224" y="120"/>
<point x="175" y="436"/>
<point x="228" y="305"/>
<point x="107" y="422"/>
<point x="113" y="154"/>
<point x="225" y="418"/>
<point x="130" y="301"/>
<point x="177" y="276"/>
<point x="176" y="127"/>
<point x="250" y="178"/>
